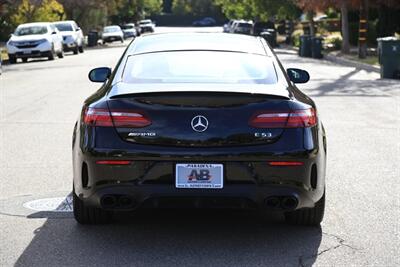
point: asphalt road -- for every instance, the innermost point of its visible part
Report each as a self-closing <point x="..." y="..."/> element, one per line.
<point x="40" y="102"/>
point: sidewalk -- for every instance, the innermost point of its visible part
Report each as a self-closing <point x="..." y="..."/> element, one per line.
<point x="335" y="57"/>
<point x="339" y="58"/>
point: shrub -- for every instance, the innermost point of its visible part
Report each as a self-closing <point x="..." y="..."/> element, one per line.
<point x="333" y="41"/>
<point x="296" y="37"/>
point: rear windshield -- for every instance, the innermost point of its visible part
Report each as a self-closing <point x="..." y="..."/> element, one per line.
<point x="29" y="30"/>
<point x="199" y="67"/>
<point x="112" y="29"/>
<point x="245" y="25"/>
<point x="64" y="27"/>
<point x="144" y="21"/>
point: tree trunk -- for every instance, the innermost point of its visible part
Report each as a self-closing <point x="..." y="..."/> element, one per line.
<point x="363" y="28"/>
<point x="345" y="28"/>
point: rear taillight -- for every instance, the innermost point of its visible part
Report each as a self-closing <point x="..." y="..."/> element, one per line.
<point x="284" y="119"/>
<point x="97" y="117"/>
<point x="117" y="118"/>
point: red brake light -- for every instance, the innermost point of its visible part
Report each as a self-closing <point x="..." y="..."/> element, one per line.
<point x="284" y="119"/>
<point x="97" y="117"/>
<point x="129" y="119"/>
<point x="117" y="118"/>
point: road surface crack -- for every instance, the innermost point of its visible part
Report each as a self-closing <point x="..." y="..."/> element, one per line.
<point x="341" y="243"/>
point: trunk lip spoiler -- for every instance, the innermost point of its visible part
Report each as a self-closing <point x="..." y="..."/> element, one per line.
<point x="279" y="90"/>
<point x="144" y="94"/>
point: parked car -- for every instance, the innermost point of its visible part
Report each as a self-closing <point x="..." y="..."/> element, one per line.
<point x="228" y="25"/>
<point x="199" y="120"/>
<point x="129" y="30"/>
<point x="146" y="25"/>
<point x="112" y="33"/>
<point x="262" y="26"/>
<point x="242" y="27"/>
<point x="204" y="22"/>
<point x="35" y="40"/>
<point x="73" y="39"/>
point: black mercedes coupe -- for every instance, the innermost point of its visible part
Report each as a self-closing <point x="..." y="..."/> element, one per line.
<point x="199" y="120"/>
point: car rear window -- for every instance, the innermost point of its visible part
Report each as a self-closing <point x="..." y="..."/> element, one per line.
<point x="64" y="27"/>
<point x="30" y="30"/>
<point x="199" y="67"/>
<point x="112" y="29"/>
<point x="245" y="25"/>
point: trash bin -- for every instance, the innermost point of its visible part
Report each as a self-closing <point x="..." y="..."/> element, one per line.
<point x="389" y="57"/>
<point x="267" y="37"/>
<point x="273" y="38"/>
<point x="305" y="46"/>
<point x="316" y="47"/>
<point x="93" y="37"/>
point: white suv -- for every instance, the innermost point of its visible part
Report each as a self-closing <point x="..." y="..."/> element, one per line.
<point x="73" y="38"/>
<point x="33" y="40"/>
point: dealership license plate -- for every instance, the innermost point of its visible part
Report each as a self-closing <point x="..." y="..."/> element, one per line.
<point x="191" y="175"/>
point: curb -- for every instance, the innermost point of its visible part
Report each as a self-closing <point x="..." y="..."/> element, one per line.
<point x="342" y="61"/>
<point x="351" y="63"/>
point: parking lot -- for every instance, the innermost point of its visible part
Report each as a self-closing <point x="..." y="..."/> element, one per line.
<point x="40" y="101"/>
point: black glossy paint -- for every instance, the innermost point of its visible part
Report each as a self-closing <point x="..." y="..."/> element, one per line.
<point x="229" y="140"/>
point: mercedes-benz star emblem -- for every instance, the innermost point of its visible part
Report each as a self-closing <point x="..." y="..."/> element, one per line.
<point x="199" y="123"/>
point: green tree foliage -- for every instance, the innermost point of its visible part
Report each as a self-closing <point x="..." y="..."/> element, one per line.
<point x="258" y="9"/>
<point x="195" y="7"/>
<point x="130" y="10"/>
<point x="30" y="11"/>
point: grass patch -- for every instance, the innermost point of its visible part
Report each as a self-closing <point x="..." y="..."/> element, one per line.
<point x="371" y="60"/>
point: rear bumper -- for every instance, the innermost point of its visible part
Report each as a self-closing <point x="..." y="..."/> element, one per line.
<point x="246" y="183"/>
<point x="112" y="38"/>
<point x="67" y="46"/>
<point x="167" y="196"/>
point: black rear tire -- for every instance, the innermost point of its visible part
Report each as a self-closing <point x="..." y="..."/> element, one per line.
<point x="51" y="54"/>
<point x="12" y="59"/>
<point x="24" y="60"/>
<point x="81" y="49"/>
<point x="60" y="54"/>
<point x="89" y="215"/>
<point x="76" y="50"/>
<point x="307" y="216"/>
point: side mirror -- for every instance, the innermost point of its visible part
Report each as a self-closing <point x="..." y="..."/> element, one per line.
<point x="54" y="32"/>
<point x="99" y="75"/>
<point x="78" y="29"/>
<point x="298" y="75"/>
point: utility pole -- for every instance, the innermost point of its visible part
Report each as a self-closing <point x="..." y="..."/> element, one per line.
<point x="363" y="28"/>
<point x="345" y="27"/>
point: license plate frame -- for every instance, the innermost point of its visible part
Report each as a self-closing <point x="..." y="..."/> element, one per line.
<point x="199" y="176"/>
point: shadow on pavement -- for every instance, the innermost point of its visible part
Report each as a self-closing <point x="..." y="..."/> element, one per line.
<point x="348" y="82"/>
<point x="172" y="237"/>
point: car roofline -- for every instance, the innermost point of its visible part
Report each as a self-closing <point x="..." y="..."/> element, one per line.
<point x="196" y="50"/>
<point x="132" y="51"/>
